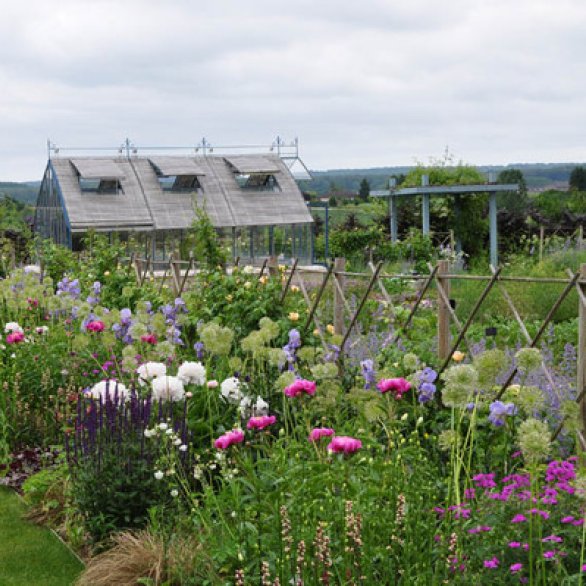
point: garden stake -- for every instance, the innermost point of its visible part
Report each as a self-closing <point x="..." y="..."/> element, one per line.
<point x="419" y="299"/>
<point x="560" y="299"/>
<point x="472" y="315"/>
<point x="262" y="269"/>
<point x="316" y="321"/>
<point x="361" y="305"/>
<point x="189" y="267"/>
<point x="288" y="283"/>
<point x="319" y="296"/>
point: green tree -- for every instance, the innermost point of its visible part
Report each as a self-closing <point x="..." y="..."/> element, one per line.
<point x="578" y="179"/>
<point x="513" y="202"/>
<point x="364" y="191"/>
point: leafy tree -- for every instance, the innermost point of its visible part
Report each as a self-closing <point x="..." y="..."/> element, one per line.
<point x="205" y="242"/>
<point x="515" y="203"/>
<point x="364" y="191"/>
<point x="333" y="202"/>
<point x="514" y="176"/>
<point x="578" y="179"/>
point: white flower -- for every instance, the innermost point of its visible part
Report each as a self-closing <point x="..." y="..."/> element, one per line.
<point x="244" y="406"/>
<point x="183" y="448"/>
<point x="169" y="432"/>
<point x="192" y="372"/>
<point x="150" y="370"/>
<point x="159" y="475"/>
<point x="405" y="416"/>
<point x="248" y="270"/>
<point x="167" y="388"/>
<point x="109" y="388"/>
<point x="177" y="441"/>
<point x="230" y="390"/>
<point x="174" y="493"/>
<point x="34" y="269"/>
<point x="261" y="407"/>
<point x="41" y="330"/>
<point x="163" y="426"/>
<point x="12" y="326"/>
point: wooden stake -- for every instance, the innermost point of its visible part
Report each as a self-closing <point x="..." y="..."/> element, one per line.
<point x="339" y="280"/>
<point x="443" y="311"/>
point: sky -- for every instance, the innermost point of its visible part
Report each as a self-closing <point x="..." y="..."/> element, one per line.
<point x="367" y="83"/>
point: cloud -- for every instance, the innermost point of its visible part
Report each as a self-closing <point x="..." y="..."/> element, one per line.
<point x="366" y="83"/>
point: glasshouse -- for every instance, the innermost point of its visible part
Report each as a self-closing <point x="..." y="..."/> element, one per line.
<point x="252" y="199"/>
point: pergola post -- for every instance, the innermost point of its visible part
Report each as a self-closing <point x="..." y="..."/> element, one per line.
<point x="492" y="224"/>
<point x="425" y="206"/>
<point x="393" y="222"/>
<point x="458" y="214"/>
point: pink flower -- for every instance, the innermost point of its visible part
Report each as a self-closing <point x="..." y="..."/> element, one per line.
<point x="584" y="568"/>
<point x="149" y="339"/>
<point x="568" y="519"/>
<point x="514" y="544"/>
<point x="518" y="519"/>
<point x="95" y="326"/>
<point x="516" y="568"/>
<point x="236" y="436"/>
<point x="14" y="338"/>
<point x="344" y="445"/>
<point x="319" y="432"/>
<point x="492" y="563"/>
<point x="261" y="422"/>
<point x="300" y="386"/>
<point x="212" y="384"/>
<point x="396" y="386"/>
<point x="554" y="538"/>
<point x="548" y="554"/>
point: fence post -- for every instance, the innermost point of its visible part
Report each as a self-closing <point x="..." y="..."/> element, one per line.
<point x="443" y="313"/>
<point x="339" y="266"/>
<point x="541" y="241"/>
<point x="581" y="386"/>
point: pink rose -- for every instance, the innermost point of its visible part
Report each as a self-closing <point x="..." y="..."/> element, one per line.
<point x="261" y="422"/>
<point x="95" y="326"/>
<point x="236" y="436"/>
<point x="344" y="445"/>
<point x="300" y="386"/>
<point x="397" y="386"/>
<point x="14" y="338"/>
<point x="212" y="384"/>
<point x="319" y="432"/>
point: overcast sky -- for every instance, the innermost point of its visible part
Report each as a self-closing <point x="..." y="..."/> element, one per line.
<point x="361" y="83"/>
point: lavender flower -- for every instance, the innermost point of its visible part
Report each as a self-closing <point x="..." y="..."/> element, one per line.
<point x="499" y="411"/>
<point x="367" y="367"/>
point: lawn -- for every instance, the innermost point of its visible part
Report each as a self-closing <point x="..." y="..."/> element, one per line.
<point x="31" y="555"/>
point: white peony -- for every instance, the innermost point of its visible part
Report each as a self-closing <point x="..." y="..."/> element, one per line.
<point x="150" y="370"/>
<point x="168" y="388"/>
<point x="230" y="390"/>
<point x="12" y="326"/>
<point x="261" y="407"/>
<point x="109" y="388"/>
<point x="192" y="372"/>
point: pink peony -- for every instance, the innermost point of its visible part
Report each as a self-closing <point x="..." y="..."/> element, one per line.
<point x="516" y="568"/>
<point x="95" y="326"/>
<point x="236" y="436"/>
<point x="319" y="432"/>
<point x="14" y="338"/>
<point x="149" y="339"/>
<point x="344" y="445"/>
<point x="397" y="386"/>
<point x="261" y="422"/>
<point x="300" y="386"/>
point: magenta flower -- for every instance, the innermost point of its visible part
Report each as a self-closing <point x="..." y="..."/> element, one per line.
<point x="261" y="422"/>
<point x="516" y="568"/>
<point x="539" y="512"/>
<point x="492" y="563"/>
<point x="236" y="436"/>
<point x="518" y="519"/>
<point x="95" y="326"/>
<point x="319" y="432"/>
<point x="149" y="339"/>
<point x="396" y="386"/>
<point x="344" y="445"/>
<point x="548" y="554"/>
<point x="568" y="519"/>
<point x="15" y="338"/>
<point x="484" y="480"/>
<point x="299" y="387"/>
<point x="554" y="538"/>
<point x="514" y="544"/>
<point x="584" y="567"/>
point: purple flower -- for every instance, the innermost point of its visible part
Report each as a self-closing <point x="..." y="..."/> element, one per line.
<point x="516" y="568"/>
<point x="367" y="367"/>
<point x="548" y="554"/>
<point x="499" y="411"/>
<point x="519" y="519"/>
<point x="492" y="563"/>
<point x="199" y="350"/>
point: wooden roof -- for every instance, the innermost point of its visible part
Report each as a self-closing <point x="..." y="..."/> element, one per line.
<point x="142" y="204"/>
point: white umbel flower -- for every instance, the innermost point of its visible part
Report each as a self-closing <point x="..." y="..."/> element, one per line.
<point x="12" y="327"/>
<point x="230" y="390"/>
<point x="192" y="372"/>
<point x="150" y="370"/>
<point x="168" y="388"/>
<point x="109" y="388"/>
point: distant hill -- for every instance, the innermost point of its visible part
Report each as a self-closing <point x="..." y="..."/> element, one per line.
<point x="538" y="176"/>
<point x="23" y="192"/>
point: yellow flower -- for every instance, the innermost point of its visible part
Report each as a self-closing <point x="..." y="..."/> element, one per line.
<point x="294" y="289"/>
<point x="458" y="356"/>
<point x="263" y="280"/>
<point x="106" y="273"/>
<point x="331" y="329"/>
<point x="293" y="316"/>
<point x="316" y="332"/>
<point x="247" y="285"/>
<point x="229" y="298"/>
<point x="282" y="268"/>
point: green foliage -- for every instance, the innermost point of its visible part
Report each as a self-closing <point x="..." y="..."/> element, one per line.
<point x="577" y="179"/>
<point x="364" y="191"/>
<point x="203" y="240"/>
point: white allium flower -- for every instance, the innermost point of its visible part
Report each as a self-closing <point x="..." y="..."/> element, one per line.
<point x="159" y="475"/>
<point x="230" y="390"/>
<point x="108" y="388"/>
<point x="150" y="370"/>
<point x="192" y="372"/>
<point x="167" y="388"/>
<point x="12" y="326"/>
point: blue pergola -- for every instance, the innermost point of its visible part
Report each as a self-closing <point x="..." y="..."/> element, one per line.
<point x="454" y="191"/>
